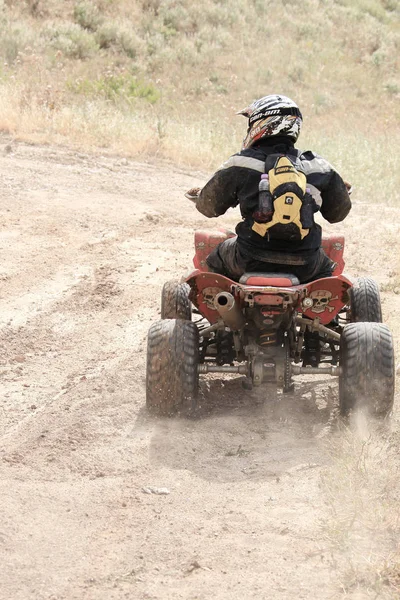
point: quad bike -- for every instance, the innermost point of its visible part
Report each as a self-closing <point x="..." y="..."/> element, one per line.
<point x="269" y="328"/>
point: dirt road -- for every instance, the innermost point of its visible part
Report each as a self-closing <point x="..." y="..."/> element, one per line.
<point x="267" y="497"/>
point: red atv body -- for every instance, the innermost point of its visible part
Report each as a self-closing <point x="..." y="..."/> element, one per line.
<point x="269" y="328"/>
<point x="329" y="294"/>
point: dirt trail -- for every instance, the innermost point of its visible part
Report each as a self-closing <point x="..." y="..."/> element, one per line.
<point x="86" y="244"/>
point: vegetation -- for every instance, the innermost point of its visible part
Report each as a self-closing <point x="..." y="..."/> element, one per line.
<point x="361" y="490"/>
<point x="165" y="77"/>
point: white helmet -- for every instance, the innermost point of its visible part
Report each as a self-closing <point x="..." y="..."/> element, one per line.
<point x="270" y="116"/>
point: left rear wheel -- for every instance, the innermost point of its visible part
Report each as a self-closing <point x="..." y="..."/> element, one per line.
<point x="175" y="303"/>
<point x="172" y="378"/>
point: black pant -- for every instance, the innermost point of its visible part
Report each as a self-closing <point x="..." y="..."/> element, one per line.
<point x="229" y="260"/>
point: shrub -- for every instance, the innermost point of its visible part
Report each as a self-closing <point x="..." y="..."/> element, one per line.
<point x="391" y="5"/>
<point x="128" y="43"/>
<point x="122" y="39"/>
<point x="392" y="88"/>
<point x="72" y="40"/>
<point x="378" y="58"/>
<point x="13" y="40"/>
<point x="9" y="48"/>
<point x="151" y="6"/>
<point x="87" y="15"/>
<point x="34" y="7"/>
<point x="175" y="17"/>
<point x="116" y="88"/>
<point x="107" y="35"/>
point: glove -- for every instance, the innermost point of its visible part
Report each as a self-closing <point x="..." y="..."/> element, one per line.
<point x="193" y="194"/>
<point x="349" y="187"/>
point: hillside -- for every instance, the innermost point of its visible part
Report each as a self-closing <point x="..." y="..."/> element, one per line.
<point x="165" y="77"/>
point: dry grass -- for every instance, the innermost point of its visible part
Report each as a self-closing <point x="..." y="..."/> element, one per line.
<point x="362" y="492"/>
<point x="162" y="78"/>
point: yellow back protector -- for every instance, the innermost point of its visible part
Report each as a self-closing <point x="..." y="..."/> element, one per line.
<point x="287" y="205"/>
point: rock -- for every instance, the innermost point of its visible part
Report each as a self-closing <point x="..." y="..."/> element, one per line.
<point x="20" y="358"/>
<point x="156" y="490"/>
<point x="195" y="565"/>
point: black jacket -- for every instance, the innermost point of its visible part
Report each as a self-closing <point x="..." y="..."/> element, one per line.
<point x="236" y="182"/>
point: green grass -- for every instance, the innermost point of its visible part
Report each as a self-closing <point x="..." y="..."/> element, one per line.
<point x="115" y="88"/>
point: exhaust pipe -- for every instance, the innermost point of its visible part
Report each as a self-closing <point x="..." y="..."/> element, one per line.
<point x="230" y="312"/>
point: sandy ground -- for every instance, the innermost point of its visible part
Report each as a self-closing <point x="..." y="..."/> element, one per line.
<point x="86" y="244"/>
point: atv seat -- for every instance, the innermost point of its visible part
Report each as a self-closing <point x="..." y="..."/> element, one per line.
<point x="270" y="279"/>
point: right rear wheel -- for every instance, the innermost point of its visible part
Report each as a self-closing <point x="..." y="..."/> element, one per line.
<point x="366" y="381"/>
<point x="365" y="301"/>
<point x="172" y="366"/>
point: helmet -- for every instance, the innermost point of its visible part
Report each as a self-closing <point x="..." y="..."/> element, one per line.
<point x="272" y="115"/>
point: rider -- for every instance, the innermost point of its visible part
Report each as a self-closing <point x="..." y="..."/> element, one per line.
<point x="274" y="126"/>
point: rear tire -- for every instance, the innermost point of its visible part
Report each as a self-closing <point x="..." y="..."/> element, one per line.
<point x="365" y="301"/>
<point x="367" y="369"/>
<point x="172" y="359"/>
<point x="175" y="303"/>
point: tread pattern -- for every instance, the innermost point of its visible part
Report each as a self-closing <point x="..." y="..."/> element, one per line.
<point x="365" y="301"/>
<point x="367" y="361"/>
<point x="172" y="359"/>
<point x="175" y="303"/>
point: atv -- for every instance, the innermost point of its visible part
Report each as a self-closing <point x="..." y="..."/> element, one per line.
<point x="270" y="328"/>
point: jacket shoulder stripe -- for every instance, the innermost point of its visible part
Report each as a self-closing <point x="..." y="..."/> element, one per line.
<point x="246" y="162"/>
<point x="315" y="165"/>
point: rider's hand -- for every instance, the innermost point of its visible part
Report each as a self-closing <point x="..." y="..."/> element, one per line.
<point x="193" y="194"/>
<point x="349" y="187"/>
